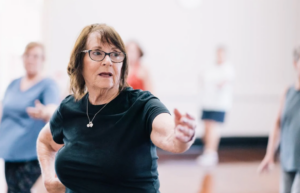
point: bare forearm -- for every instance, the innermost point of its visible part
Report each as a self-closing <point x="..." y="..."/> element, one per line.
<point x="273" y="141"/>
<point x="46" y="150"/>
<point x="46" y="156"/>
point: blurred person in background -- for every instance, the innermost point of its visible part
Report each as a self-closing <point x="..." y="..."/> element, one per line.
<point x="103" y="137"/>
<point x="217" y="101"/>
<point x="28" y="104"/>
<point x="138" y="76"/>
<point x="287" y="133"/>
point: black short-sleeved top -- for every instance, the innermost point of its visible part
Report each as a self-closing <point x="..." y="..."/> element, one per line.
<point x="116" y="155"/>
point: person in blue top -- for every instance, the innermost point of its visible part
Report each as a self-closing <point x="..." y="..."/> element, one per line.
<point x="287" y="133"/>
<point x="28" y="104"/>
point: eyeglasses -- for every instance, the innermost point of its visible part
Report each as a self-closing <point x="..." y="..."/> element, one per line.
<point x="98" y="55"/>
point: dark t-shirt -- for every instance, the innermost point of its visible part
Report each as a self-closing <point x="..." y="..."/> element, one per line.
<point x="116" y="155"/>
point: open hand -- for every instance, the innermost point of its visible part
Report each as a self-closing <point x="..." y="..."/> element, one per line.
<point x="185" y="126"/>
<point x="37" y="112"/>
<point x="266" y="165"/>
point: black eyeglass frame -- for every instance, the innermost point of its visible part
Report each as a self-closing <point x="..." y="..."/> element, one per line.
<point x="89" y="51"/>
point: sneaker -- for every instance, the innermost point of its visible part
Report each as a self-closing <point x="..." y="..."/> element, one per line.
<point x="208" y="159"/>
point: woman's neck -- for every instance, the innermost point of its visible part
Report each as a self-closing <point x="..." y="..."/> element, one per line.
<point x="102" y="96"/>
<point x="33" y="77"/>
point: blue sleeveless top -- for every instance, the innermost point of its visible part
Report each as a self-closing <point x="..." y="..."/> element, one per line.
<point x="290" y="131"/>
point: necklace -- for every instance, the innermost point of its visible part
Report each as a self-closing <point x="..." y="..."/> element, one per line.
<point x="90" y="124"/>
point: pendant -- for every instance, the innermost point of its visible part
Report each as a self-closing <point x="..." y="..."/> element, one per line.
<point x="90" y="124"/>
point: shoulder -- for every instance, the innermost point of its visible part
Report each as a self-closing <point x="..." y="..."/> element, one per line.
<point x="70" y="104"/>
<point x="137" y="94"/>
<point x="49" y="82"/>
<point x="70" y="100"/>
<point x="146" y="100"/>
<point x="15" y="82"/>
<point x="288" y="89"/>
<point x="286" y="93"/>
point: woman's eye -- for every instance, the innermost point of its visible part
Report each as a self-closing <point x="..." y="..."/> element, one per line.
<point x="97" y="53"/>
<point x="116" y="54"/>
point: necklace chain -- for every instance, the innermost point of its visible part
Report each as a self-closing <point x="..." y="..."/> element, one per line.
<point x="90" y="124"/>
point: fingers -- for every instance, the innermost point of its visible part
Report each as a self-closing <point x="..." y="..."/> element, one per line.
<point x="33" y="112"/>
<point x="185" y="130"/>
<point x="185" y="127"/>
<point x="265" y="166"/>
<point x="190" y="123"/>
<point x="190" y="116"/>
<point x="183" y="138"/>
<point x="260" y="168"/>
<point x="177" y="114"/>
<point x="38" y="103"/>
<point x="184" y="134"/>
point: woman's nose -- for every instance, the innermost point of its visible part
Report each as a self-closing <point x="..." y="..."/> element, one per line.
<point x="106" y="61"/>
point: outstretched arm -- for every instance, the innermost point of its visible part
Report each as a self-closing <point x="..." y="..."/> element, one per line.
<point x="173" y="136"/>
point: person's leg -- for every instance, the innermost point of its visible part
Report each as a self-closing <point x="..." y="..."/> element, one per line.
<point x="211" y="136"/>
<point x="287" y="179"/>
<point x="296" y="183"/>
<point x="211" y="141"/>
<point x="20" y="177"/>
<point x="11" y="176"/>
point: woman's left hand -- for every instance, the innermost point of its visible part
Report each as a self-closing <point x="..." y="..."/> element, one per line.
<point x="185" y="127"/>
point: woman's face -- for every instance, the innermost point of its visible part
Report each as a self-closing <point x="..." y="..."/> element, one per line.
<point x="221" y="56"/>
<point x="133" y="53"/>
<point x="104" y="74"/>
<point x="33" y="60"/>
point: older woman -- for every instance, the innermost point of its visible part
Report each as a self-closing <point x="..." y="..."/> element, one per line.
<point x="104" y="135"/>
<point x="28" y="104"/>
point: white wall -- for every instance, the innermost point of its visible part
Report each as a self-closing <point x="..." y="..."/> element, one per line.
<point x="298" y="23"/>
<point x="20" y="23"/>
<point x="179" y="43"/>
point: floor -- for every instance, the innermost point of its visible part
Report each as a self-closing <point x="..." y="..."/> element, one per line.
<point x="186" y="177"/>
<point x="236" y="173"/>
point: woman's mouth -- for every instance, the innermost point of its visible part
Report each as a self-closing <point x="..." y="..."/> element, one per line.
<point x="105" y="74"/>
